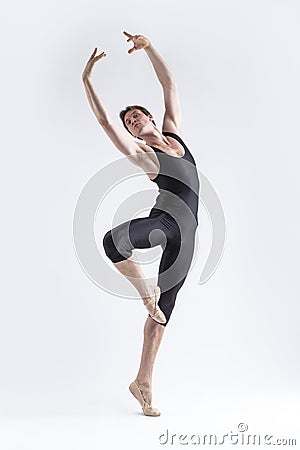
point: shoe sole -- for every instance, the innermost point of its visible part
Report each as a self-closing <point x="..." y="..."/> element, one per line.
<point x="137" y="394"/>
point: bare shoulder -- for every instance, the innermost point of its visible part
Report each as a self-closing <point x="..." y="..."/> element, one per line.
<point x="121" y="140"/>
<point x="145" y="152"/>
<point x="147" y="159"/>
<point x="144" y="147"/>
<point x="171" y="128"/>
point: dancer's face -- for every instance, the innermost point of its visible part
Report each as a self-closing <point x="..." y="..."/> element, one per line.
<point x="137" y="122"/>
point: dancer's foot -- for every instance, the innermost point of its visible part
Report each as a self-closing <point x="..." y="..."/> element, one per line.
<point x="143" y="394"/>
<point x="152" y="306"/>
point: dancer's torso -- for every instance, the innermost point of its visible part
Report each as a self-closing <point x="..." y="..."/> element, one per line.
<point x="177" y="179"/>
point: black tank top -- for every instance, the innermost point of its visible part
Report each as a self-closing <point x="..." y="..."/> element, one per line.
<point x="178" y="176"/>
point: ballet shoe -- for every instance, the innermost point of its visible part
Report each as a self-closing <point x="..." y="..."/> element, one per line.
<point x="153" y="308"/>
<point x="148" y="410"/>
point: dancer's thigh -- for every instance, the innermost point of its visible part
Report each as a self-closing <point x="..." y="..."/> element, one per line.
<point x="147" y="232"/>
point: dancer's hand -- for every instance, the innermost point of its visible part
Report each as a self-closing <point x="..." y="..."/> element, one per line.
<point x="138" y="40"/>
<point x="89" y="65"/>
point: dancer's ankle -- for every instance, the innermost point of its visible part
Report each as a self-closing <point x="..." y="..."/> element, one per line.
<point x="143" y="383"/>
<point x="148" y="294"/>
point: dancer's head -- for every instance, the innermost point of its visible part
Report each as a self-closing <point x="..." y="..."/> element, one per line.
<point x="136" y="117"/>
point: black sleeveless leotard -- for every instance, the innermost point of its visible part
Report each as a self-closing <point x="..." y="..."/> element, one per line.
<point x="177" y="176"/>
<point x="171" y="223"/>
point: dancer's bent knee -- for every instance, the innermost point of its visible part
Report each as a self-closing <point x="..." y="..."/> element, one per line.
<point x="111" y="250"/>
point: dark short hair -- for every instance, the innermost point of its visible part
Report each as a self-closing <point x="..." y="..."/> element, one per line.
<point x="130" y="108"/>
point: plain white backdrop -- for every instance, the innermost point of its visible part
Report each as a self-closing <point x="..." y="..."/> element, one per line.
<point x="68" y="349"/>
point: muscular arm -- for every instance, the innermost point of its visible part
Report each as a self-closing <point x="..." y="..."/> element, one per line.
<point x="163" y="72"/>
<point x="116" y="134"/>
<point x="172" y="116"/>
<point x="95" y="103"/>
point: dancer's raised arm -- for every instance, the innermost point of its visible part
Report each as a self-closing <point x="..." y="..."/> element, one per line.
<point x="172" y="116"/>
<point x="114" y="131"/>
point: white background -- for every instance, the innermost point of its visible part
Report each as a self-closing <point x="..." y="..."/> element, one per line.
<point x="68" y="349"/>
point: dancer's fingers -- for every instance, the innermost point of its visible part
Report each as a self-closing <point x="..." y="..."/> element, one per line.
<point x="95" y="58"/>
<point x="127" y="34"/>
<point x="94" y="52"/>
<point x="103" y="54"/>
